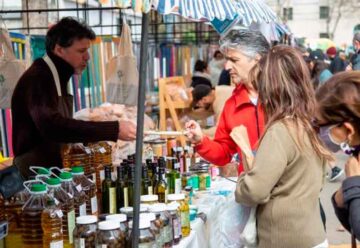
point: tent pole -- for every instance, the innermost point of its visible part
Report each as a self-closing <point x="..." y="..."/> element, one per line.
<point x="140" y="127"/>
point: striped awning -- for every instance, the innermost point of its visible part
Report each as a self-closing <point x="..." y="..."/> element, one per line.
<point x="254" y="11"/>
<point x="249" y="11"/>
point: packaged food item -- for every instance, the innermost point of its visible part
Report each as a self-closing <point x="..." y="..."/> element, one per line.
<point x="155" y="227"/>
<point x="109" y="235"/>
<point x="184" y="212"/>
<point x="173" y="210"/>
<point x="164" y="218"/>
<point x="32" y="232"/>
<point x="85" y="231"/>
<point x="66" y="204"/>
<point x="51" y="219"/>
<point x="124" y="227"/>
<point x="146" y="237"/>
<point x="88" y="187"/>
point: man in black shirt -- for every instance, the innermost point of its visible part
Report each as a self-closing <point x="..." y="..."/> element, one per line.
<point x="42" y="107"/>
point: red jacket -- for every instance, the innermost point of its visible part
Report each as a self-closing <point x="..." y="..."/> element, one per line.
<point x="238" y="110"/>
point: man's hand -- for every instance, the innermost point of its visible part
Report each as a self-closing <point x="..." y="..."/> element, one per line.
<point x="127" y="131"/>
<point x="194" y="134"/>
<point x="352" y="167"/>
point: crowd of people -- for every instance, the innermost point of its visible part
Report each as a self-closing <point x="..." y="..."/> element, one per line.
<point x="299" y="107"/>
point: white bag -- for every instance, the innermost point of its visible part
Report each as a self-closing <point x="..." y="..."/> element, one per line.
<point x="11" y="70"/>
<point x="122" y="81"/>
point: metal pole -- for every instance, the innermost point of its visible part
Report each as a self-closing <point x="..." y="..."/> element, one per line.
<point x="140" y="127"/>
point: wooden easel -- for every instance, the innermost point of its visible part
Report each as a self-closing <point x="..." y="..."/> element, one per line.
<point x="166" y="103"/>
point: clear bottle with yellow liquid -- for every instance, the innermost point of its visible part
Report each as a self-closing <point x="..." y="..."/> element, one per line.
<point x="51" y="223"/>
<point x="66" y="203"/>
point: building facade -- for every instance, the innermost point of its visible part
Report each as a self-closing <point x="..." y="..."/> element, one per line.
<point x="334" y="19"/>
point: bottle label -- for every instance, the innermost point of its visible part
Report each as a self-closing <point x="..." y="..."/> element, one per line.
<point x="82" y="243"/>
<point x="147" y="245"/>
<point x="126" y="197"/>
<point x="185" y="219"/>
<point x="94" y="205"/>
<point x="82" y="209"/>
<point x="102" y="175"/>
<point x="188" y="164"/>
<point x="71" y="225"/>
<point x="177" y="165"/>
<point x="177" y="228"/>
<point x="57" y="244"/>
<point x="59" y="213"/>
<point x="104" y="246"/>
<point x="56" y="201"/>
<point x="177" y="186"/>
<point x="102" y="150"/>
<point x="150" y="190"/>
<point x="112" y="200"/>
<point x="79" y="187"/>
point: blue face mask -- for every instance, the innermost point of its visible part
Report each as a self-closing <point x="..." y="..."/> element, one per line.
<point x="325" y="136"/>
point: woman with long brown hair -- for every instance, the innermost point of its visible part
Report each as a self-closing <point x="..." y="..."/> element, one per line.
<point x="338" y="118"/>
<point x="289" y="166"/>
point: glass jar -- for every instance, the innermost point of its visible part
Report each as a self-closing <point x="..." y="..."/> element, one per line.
<point x="146" y="237"/>
<point x="203" y="177"/>
<point x="85" y="231"/>
<point x="186" y="179"/>
<point x="121" y="219"/>
<point x="109" y="235"/>
<point x="155" y="227"/>
<point x="129" y="211"/>
<point x="184" y="212"/>
<point x="163" y="217"/>
<point x="176" y="223"/>
<point x="149" y="199"/>
<point x="195" y="181"/>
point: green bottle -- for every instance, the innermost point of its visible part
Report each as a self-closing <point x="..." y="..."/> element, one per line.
<point x="161" y="186"/>
<point x="146" y="187"/>
<point x="130" y="184"/>
<point x="121" y="188"/>
<point x="108" y="192"/>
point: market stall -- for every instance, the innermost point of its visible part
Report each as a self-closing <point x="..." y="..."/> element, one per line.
<point x="217" y="12"/>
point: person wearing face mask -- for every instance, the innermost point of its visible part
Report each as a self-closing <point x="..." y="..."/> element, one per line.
<point x="338" y="120"/>
<point x="42" y="106"/>
<point x="216" y="65"/>
<point x="355" y="59"/>
<point x="242" y="50"/>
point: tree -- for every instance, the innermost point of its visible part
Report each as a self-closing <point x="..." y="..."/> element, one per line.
<point x="337" y="9"/>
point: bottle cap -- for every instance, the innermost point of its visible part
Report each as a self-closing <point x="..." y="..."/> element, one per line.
<point x="77" y="170"/>
<point x="144" y="207"/>
<point x="117" y="217"/>
<point x="159" y="207"/>
<point x="143" y="224"/>
<point x="53" y="181"/>
<point x="109" y="225"/>
<point x="86" y="219"/>
<point x="65" y="175"/>
<point x="126" y="210"/>
<point x="172" y="206"/>
<point x="176" y="197"/>
<point x="43" y="171"/>
<point x="38" y="188"/>
<point x="149" y="216"/>
<point x="149" y="198"/>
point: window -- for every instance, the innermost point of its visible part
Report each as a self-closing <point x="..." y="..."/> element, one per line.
<point x="324" y="12"/>
<point x="288" y="13"/>
<point x="324" y="35"/>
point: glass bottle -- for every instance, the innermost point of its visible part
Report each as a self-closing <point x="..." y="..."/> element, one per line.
<point x="130" y="184"/>
<point x="187" y="159"/>
<point x="154" y="174"/>
<point x="32" y="233"/>
<point x="88" y="187"/>
<point x="146" y="187"/>
<point x="184" y="212"/>
<point x="176" y="222"/>
<point x="85" y="231"/>
<point x="51" y="219"/>
<point x="66" y="204"/>
<point x="150" y="171"/>
<point x="122" y="199"/>
<point x="76" y="191"/>
<point x="161" y="186"/>
<point x="108" y="193"/>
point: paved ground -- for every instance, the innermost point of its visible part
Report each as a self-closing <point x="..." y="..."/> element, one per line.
<point x="335" y="237"/>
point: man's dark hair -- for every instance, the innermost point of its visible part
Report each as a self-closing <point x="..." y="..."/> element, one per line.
<point x="66" y="31"/>
<point x="199" y="92"/>
<point x="200" y="66"/>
